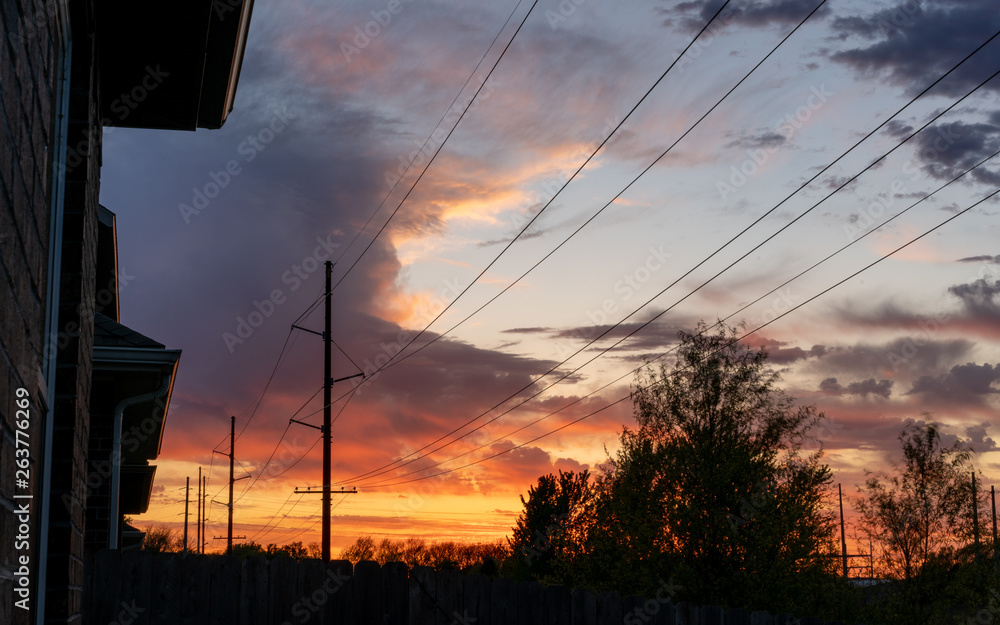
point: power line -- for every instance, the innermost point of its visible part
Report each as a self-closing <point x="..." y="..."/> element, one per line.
<point x="620" y="400"/>
<point x="738" y="235"/>
<point x="269" y="458"/>
<point x="443" y="142"/>
<point x="278" y="445"/>
<point x="549" y="203"/>
<point x="282" y="537"/>
<point x="266" y="385"/>
<point x="443" y="117"/>
<point x="275" y="516"/>
<point x="433" y="340"/>
<point x="731" y="315"/>
<point x="422" y="146"/>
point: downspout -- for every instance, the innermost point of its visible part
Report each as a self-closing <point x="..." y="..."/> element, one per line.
<point x="116" y="455"/>
<point x="57" y="208"/>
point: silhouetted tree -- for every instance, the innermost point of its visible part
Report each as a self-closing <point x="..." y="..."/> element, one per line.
<point x="362" y="549"/>
<point x="315" y="551"/>
<point x="550" y="530"/>
<point x="248" y="549"/>
<point x="713" y="488"/>
<point x="159" y="538"/>
<point x="923" y="511"/>
<point x="418" y="552"/>
<point x="292" y="550"/>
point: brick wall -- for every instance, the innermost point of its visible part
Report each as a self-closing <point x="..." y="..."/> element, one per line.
<point x="64" y="582"/>
<point x="28" y="72"/>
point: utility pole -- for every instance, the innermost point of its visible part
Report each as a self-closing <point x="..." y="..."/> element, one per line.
<point x="327" y="388"/>
<point x="232" y="460"/>
<point x="187" y="498"/>
<point x="326" y="492"/>
<point x="996" y="547"/>
<point x="232" y="480"/>
<point x="328" y="383"/>
<point x="198" y="531"/>
<point x="843" y="539"/>
<point x="975" y="524"/>
<point x="204" y="513"/>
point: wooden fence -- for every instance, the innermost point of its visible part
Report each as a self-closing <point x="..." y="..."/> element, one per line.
<point x="142" y="588"/>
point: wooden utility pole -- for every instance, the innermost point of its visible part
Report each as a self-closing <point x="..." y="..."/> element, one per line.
<point x="198" y="531"/>
<point x="204" y="513"/>
<point x="996" y="547"/>
<point x="326" y="492"/>
<point x="327" y="409"/>
<point x="187" y="498"/>
<point x="328" y="383"/>
<point x="232" y="480"/>
<point x="843" y="539"/>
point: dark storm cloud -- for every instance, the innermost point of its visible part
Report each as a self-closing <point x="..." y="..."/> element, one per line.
<point x="979" y="439"/>
<point x="898" y="128"/>
<point x="694" y="15"/>
<point x="963" y="384"/>
<point x="979" y="299"/>
<point x="871" y="386"/>
<point x="438" y="378"/>
<point x="655" y="338"/>
<point x="780" y="353"/>
<point x="979" y="312"/>
<point x="787" y="355"/>
<point x="905" y="355"/>
<point x="949" y="149"/>
<point x="916" y="43"/>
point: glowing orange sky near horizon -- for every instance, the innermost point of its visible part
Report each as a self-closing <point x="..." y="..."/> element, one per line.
<point x="358" y="118"/>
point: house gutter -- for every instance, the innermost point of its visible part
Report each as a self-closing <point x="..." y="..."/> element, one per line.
<point x="116" y="454"/>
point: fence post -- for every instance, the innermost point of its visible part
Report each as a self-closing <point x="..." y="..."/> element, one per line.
<point x="609" y="609"/>
<point x="633" y="607"/>
<point x="422" y="588"/>
<point x="712" y="615"/>
<point x="686" y="613"/>
<point x="557" y="605"/>
<point x="367" y="593"/>
<point x="254" y="584"/>
<point x="106" y="588"/>
<point x="224" y="606"/>
<point x="530" y="609"/>
<point x="283" y="590"/>
<point x="196" y="582"/>
<point x="313" y="594"/>
<point x="166" y="588"/>
<point x="477" y="599"/>
<point x="137" y="578"/>
<point x="395" y="593"/>
<point x="449" y="598"/>
<point x="340" y="605"/>
<point x="503" y="596"/>
<point x="584" y="602"/>
<point x="761" y="618"/>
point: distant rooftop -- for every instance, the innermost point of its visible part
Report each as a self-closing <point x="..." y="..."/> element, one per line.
<point x="110" y="333"/>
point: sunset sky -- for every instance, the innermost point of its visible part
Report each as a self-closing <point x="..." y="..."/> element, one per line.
<point x="217" y="229"/>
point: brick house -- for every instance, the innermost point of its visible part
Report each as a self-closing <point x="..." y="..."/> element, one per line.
<point x="69" y="68"/>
